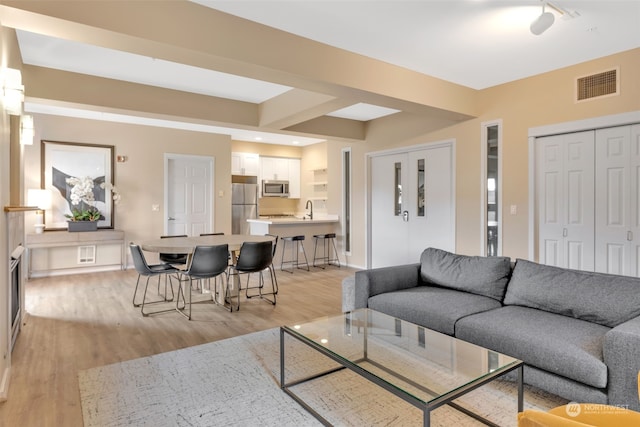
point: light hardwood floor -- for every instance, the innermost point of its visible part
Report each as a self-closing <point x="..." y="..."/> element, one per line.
<point x="79" y="322"/>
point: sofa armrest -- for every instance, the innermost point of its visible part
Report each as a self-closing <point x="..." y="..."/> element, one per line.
<point x="622" y="356"/>
<point x="386" y="279"/>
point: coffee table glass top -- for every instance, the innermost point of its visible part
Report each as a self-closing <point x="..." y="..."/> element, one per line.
<point x="420" y="362"/>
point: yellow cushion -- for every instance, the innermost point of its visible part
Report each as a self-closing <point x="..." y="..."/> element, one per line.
<point x="531" y="418"/>
<point x="599" y="415"/>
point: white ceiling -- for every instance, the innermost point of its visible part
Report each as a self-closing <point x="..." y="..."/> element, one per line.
<point x="474" y="43"/>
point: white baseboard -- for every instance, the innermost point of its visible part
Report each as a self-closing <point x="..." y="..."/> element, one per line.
<point x="66" y="271"/>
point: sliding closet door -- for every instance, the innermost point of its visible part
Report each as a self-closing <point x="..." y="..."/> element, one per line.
<point x="565" y="186"/>
<point x="617" y="230"/>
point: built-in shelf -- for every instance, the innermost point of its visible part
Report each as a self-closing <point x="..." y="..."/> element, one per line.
<point x="319" y="183"/>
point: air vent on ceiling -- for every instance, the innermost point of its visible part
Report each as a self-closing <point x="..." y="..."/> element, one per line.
<point x="597" y="85"/>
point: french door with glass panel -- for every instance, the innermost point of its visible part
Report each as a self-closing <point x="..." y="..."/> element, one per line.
<point x="412" y="204"/>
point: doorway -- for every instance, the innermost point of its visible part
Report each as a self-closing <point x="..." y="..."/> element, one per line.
<point x="188" y="199"/>
<point x="411" y="204"/>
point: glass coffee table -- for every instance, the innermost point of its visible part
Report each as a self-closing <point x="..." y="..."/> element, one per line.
<point x="424" y="368"/>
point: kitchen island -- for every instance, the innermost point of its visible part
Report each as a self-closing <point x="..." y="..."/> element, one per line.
<point x="294" y="226"/>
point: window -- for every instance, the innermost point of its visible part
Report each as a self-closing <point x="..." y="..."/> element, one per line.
<point x="346" y="199"/>
<point x="492" y="218"/>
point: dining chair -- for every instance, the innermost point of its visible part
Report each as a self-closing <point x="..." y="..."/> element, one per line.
<point x="206" y="263"/>
<point x="255" y="257"/>
<point x="174" y="259"/>
<point x="144" y="269"/>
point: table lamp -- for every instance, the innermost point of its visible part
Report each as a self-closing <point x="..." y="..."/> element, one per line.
<point x="41" y="199"/>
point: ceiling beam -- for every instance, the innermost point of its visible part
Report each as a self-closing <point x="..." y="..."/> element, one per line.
<point x="297" y="106"/>
<point x="188" y="33"/>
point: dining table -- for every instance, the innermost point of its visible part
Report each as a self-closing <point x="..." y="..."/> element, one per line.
<point x="186" y="245"/>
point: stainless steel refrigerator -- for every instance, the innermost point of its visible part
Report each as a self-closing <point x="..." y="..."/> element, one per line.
<point x="244" y="202"/>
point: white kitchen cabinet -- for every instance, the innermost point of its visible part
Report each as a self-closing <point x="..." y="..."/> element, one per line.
<point x="274" y="168"/>
<point x="282" y="169"/>
<point x="245" y="164"/>
<point x="294" y="178"/>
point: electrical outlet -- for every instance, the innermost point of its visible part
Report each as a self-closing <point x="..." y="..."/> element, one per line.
<point x="514" y="209"/>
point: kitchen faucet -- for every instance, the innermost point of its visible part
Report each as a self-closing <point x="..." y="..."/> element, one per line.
<point x="309" y="203"/>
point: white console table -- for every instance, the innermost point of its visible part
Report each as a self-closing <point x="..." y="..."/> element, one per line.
<point x="64" y="239"/>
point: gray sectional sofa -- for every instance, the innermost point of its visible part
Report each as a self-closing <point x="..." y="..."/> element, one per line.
<point x="577" y="332"/>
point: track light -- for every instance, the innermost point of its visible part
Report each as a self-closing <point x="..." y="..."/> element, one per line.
<point x="542" y="22"/>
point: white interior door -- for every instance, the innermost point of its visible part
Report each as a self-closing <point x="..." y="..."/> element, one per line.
<point x="389" y="230"/>
<point x="412" y="204"/>
<point x="617" y="188"/>
<point x="188" y="187"/>
<point x="565" y="184"/>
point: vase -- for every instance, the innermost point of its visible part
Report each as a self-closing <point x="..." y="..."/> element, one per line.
<point x="75" y="226"/>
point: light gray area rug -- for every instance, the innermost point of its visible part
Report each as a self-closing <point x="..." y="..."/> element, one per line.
<point x="236" y="382"/>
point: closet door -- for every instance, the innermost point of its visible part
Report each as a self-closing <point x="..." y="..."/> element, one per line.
<point x="565" y="185"/>
<point x="617" y="197"/>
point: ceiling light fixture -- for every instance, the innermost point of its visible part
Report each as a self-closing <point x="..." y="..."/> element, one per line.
<point x="542" y="22"/>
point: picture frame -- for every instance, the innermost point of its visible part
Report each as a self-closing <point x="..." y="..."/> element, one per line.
<point x="60" y="160"/>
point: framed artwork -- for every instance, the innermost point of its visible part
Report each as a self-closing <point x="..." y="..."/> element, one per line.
<point x="62" y="160"/>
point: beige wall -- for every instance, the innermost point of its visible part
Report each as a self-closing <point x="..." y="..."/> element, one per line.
<point x="9" y="58"/>
<point x="541" y="100"/>
<point x="140" y="180"/>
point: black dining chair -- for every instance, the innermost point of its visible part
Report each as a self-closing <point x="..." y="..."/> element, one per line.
<point x="206" y="263"/>
<point x="148" y="271"/>
<point x="255" y="257"/>
<point x="174" y="259"/>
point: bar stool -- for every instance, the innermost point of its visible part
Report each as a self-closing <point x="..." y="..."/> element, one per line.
<point x="296" y="244"/>
<point x="326" y="250"/>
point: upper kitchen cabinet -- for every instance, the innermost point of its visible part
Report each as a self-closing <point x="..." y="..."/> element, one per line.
<point x="245" y="164"/>
<point x="274" y="168"/>
<point x="282" y="169"/>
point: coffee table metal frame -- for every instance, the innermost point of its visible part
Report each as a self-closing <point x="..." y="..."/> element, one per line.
<point x="425" y="406"/>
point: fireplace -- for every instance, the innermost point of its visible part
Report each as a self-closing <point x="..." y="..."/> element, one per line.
<point x="15" y="292"/>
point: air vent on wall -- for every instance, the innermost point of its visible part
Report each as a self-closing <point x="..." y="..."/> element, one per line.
<point x="597" y="85"/>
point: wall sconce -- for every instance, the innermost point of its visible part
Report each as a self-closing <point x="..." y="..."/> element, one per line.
<point x="12" y="90"/>
<point x="41" y="199"/>
<point x="27" y="131"/>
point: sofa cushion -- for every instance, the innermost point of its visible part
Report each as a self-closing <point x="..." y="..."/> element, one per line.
<point x="558" y="344"/>
<point x="596" y="297"/>
<point x="486" y="276"/>
<point x="431" y="307"/>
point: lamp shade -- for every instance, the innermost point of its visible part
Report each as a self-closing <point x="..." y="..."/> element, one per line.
<point x="542" y="23"/>
<point x="39" y="198"/>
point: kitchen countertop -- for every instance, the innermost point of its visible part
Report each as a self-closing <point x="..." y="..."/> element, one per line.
<point x="295" y="220"/>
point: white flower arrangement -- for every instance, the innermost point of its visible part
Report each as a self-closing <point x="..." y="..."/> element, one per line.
<point x="82" y="194"/>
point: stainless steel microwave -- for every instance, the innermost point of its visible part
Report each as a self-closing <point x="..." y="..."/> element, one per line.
<point x="271" y="188"/>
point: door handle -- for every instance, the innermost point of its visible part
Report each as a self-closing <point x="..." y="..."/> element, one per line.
<point x="171" y="218"/>
<point x="565" y="232"/>
<point x="629" y="235"/>
<point x="405" y="216"/>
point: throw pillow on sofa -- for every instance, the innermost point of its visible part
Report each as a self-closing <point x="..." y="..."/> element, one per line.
<point x="487" y="276"/>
